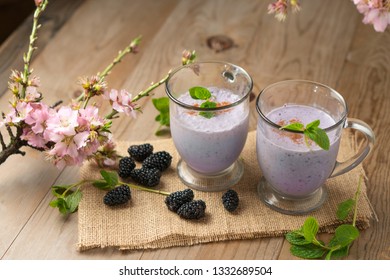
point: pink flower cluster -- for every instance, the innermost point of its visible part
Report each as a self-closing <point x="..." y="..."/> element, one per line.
<point x="376" y="12"/>
<point x="70" y="134"/>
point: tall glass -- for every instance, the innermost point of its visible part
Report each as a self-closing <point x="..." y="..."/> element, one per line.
<point x="295" y="168"/>
<point x="209" y="138"/>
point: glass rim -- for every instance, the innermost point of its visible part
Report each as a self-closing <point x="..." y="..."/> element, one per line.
<point x="216" y="109"/>
<point x="327" y="129"/>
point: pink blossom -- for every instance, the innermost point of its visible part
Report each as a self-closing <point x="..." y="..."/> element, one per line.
<point x="376" y="12"/>
<point x="121" y="102"/>
<point x="33" y="139"/>
<point x="279" y="8"/>
<point x="32" y="94"/>
<point x="61" y="123"/>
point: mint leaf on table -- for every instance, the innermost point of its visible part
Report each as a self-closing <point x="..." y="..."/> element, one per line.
<point x="304" y="243"/>
<point x="307" y="251"/>
<point x="162" y="106"/>
<point x="345" y="208"/>
<point x="311" y="131"/>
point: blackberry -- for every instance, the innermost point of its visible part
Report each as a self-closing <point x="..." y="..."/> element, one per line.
<point x="117" y="196"/>
<point x="178" y="198"/>
<point x="140" y="152"/>
<point x="161" y="160"/>
<point x="194" y="209"/>
<point x="230" y="200"/>
<point x="146" y="177"/>
<point x="126" y="165"/>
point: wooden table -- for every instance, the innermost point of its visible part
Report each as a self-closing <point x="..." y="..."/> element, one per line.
<point x="325" y="42"/>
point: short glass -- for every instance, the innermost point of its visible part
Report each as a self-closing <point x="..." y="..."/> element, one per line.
<point x="209" y="139"/>
<point x="294" y="170"/>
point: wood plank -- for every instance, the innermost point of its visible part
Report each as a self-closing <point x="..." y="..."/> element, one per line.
<point x="62" y="238"/>
<point x="324" y="42"/>
<point x="24" y="180"/>
<point x="13" y="48"/>
<point x="365" y="83"/>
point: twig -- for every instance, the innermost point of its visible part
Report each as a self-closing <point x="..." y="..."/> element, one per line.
<point x="33" y="37"/>
<point x="3" y="146"/>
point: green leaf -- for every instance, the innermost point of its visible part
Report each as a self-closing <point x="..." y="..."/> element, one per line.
<point x="73" y="200"/>
<point x="294" y="127"/>
<point x="58" y="190"/>
<point x="337" y="254"/>
<point x="161" y="104"/>
<point x="110" y="177"/>
<point x="344" y="208"/>
<point x="200" y="93"/>
<point x="344" y="235"/>
<point x="308" y="251"/>
<point x="208" y="104"/>
<point x="310" y="229"/>
<point x="319" y="136"/>
<point x="313" y="124"/>
<point x="61" y="204"/>
<point x="101" y="184"/>
<point x="296" y="238"/>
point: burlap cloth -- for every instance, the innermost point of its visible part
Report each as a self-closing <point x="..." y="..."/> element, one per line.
<point x="146" y="222"/>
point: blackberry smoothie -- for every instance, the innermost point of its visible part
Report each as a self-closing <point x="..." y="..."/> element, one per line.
<point x="291" y="167"/>
<point x="210" y="145"/>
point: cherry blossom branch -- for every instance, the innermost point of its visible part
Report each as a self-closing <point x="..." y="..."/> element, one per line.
<point x="41" y="6"/>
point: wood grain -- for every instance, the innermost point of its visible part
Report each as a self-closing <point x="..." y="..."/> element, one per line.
<point x="325" y="42"/>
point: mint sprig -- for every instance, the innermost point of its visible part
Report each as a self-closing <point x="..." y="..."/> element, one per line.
<point x="304" y="242"/>
<point x="311" y="131"/>
<point x="162" y="106"/>
<point x="201" y="93"/>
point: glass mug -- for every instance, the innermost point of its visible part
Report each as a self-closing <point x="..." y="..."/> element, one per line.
<point x="295" y="169"/>
<point x="209" y="139"/>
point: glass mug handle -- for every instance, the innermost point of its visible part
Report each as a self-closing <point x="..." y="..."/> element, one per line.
<point x="351" y="163"/>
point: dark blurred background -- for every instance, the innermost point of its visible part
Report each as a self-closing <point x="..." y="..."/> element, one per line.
<point x="12" y="14"/>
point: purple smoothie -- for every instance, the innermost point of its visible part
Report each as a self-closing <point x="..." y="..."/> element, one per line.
<point x="291" y="167"/>
<point x="210" y="145"/>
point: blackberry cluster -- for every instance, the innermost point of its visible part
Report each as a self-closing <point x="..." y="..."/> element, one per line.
<point x="140" y="152"/>
<point x="183" y="204"/>
<point x="178" y="198"/>
<point x="126" y="165"/>
<point x="230" y="200"/>
<point x="152" y="164"/>
<point x="194" y="209"/>
<point x="161" y="160"/>
<point x="117" y="196"/>
<point x="146" y="177"/>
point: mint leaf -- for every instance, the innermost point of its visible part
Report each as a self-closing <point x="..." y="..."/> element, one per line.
<point x="337" y="254"/>
<point x="344" y="235"/>
<point x="110" y="177"/>
<point x="61" y="204"/>
<point x="310" y="229"/>
<point x="73" y="200"/>
<point x="101" y="184"/>
<point x="208" y="104"/>
<point x="312" y="131"/>
<point x="296" y="238"/>
<point x="313" y="124"/>
<point x="58" y="190"/>
<point x="200" y="93"/>
<point x="308" y="251"/>
<point x="162" y="105"/>
<point x="319" y="136"/>
<point x="294" y="127"/>
<point x="345" y="208"/>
